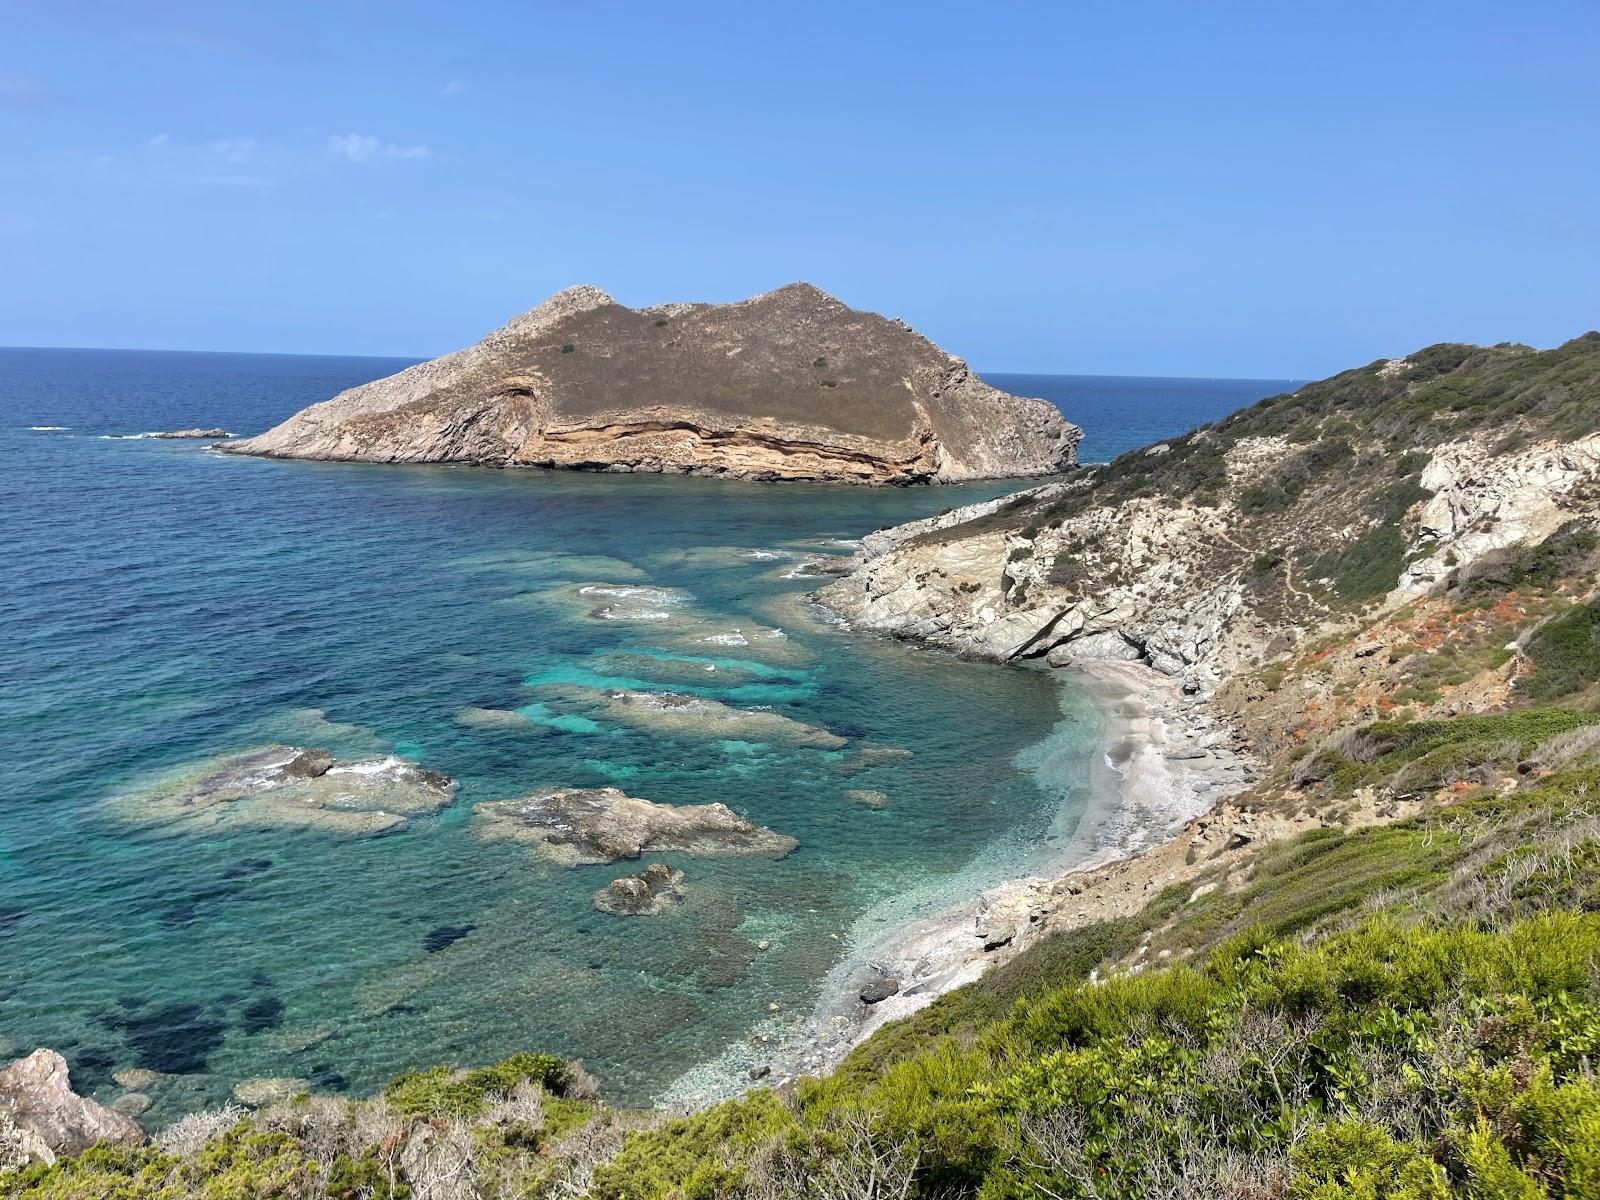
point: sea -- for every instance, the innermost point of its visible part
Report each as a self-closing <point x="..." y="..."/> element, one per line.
<point x="162" y="604"/>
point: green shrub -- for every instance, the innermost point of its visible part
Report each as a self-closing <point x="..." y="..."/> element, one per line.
<point x="693" y="1158"/>
<point x="1565" y="653"/>
<point x="445" y="1091"/>
<point x="1355" y="1160"/>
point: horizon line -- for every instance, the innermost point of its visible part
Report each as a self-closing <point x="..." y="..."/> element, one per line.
<point x="414" y="359"/>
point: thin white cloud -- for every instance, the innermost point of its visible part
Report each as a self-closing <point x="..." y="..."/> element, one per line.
<point x="453" y="88"/>
<point x="18" y="87"/>
<point x="233" y="151"/>
<point x="163" y="160"/>
<point x="363" y="148"/>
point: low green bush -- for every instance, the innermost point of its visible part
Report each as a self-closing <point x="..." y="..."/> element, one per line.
<point x="1565" y="653"/>
<point x="694" y="1158"/>
<point x="446" y="1091"/>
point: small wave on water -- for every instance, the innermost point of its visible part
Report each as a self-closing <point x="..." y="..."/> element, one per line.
<point x="49" y="428"/>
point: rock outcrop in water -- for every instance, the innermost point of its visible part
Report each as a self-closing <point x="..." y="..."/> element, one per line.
<point x="578" y="826"/>
<point x="788" y="385"/>
<point x="278" y="786"/>
<point x="652" y="890"/>
<point x="42" y="1118"/>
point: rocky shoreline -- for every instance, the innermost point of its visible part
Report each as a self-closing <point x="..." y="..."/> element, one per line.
<point x="1167" y="765"/>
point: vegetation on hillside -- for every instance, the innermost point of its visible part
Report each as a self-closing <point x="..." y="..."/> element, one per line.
<point x="1403" y="1010"/>
<point x="1439" y="394"/>
<point x="1331" y="504"/>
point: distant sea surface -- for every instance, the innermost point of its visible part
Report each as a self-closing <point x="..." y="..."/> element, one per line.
<point x="163" y="604"/>
<point x="1118" y="413"/>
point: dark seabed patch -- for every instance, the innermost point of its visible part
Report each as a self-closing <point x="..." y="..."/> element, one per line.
<point x="325" y="1078"/>
<point x="444" y="936"/>
<point x="247" y="868"/>
<point x="90" y="1067"/>
<point x="260" y="1015"/>
<point x="176" y="1039"/>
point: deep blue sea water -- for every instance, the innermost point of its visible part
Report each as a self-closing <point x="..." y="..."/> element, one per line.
<point x="1118" y="413"/>
<point x="161" y="604"/>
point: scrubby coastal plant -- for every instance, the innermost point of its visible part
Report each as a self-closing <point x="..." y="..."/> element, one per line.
<point x="521" y="1128"/>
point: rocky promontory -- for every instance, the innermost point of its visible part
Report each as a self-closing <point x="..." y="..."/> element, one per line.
<point x="1238" y="543"/>
<point x="792" y="384"/>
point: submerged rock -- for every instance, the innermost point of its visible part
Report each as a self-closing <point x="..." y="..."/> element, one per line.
<point x="699" y="716"/>
<point x="652" y="890"/>
<point x="47" y="1119"/>
<point x="258" y="1093"/>
<point x="473" y="717"/>
<point x="292" y="786"/>
<point x="865" y="757"/>
<point x="138" y="1079"/>
<point x="132" y="1104"/>
<point x="866" y="797"/>
<point x="578" y="826"/>
<point x="788" y="385"/>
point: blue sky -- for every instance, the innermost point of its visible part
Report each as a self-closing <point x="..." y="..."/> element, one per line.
<point x="1137" y="188"/>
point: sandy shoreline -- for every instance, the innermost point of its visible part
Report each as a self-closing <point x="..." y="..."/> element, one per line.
<point x="1164" y="760"/>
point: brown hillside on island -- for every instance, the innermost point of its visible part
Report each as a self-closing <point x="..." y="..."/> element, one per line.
<point x="792" y="384"/>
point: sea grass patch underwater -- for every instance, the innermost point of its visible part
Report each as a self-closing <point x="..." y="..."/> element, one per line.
<point x="173" y="606"/>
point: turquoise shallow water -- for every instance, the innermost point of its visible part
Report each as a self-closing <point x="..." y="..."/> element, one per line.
<point x="162" y="604"/>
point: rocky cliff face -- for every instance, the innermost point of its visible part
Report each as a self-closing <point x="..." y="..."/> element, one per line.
<point x="788" y="385"/>
<point x="1238" y="544"/>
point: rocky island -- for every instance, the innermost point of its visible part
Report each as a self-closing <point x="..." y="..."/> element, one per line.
<point x="791" y="384"/>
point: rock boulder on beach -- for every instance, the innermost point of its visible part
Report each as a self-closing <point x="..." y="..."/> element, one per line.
<point x="577" y="826"/>
<point x="878" y="990"/>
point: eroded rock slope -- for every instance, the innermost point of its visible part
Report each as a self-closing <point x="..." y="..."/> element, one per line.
<point x="1238" y="543"/>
